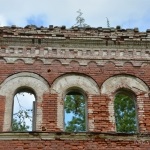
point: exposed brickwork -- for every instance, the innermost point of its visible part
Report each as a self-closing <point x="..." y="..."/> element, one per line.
<point x="92" y="56"/>
<point x="2" y="110"/>
<point x="49" y="106"/>
<point x="82" y="141"/>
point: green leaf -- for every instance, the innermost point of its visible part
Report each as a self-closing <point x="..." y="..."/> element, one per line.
<point x="75" y="104"/>
<point x="125" y="113"/>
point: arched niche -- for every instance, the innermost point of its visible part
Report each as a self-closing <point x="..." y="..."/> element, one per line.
<point x="9" y="87"/>
<point x="115" y="83"/>
<point x="68" y="82"/>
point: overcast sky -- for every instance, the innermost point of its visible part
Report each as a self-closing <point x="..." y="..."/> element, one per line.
<point x="24" y="101"/>
<point x="126" y="13"/>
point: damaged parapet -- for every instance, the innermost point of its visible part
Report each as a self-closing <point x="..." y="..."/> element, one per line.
<point x="94" y="44"/>
<point x="32" y="35"/>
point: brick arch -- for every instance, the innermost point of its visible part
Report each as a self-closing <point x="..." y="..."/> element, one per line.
<point x="74" y="63"/>
<point x="61" y="85"/>
<point x="108" y="63"/>
<point x="56" y="62"/>
<point x="92" y="63"/>
<point x="115" y="83"/>
<point x="124" y="81"/>
<point x="9" y="87"/>
<point x="19" y="61"/>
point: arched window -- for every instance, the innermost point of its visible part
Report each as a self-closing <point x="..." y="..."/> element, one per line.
<point x="75" y="112"/>
<point x="23" y="118"/>
<point x="125" y="112"/>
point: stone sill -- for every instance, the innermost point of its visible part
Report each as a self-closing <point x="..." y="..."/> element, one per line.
<point x="82" y="136"/>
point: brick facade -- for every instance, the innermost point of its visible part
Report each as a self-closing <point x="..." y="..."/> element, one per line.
<point x="52" y="60"/>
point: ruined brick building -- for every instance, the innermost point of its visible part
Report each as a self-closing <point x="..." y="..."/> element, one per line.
<point x="53" y="61"/>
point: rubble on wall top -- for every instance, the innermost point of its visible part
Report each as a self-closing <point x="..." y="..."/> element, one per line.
<point x="75" y="32"/>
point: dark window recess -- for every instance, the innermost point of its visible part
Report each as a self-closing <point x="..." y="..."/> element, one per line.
<point x="59" y="35"/>
<point x="36" y="41"/>
<point x="54" y="51"/>
<point x="33" y="41"/>
<point x="106" y="43"/>
<point x="39" y="41"/>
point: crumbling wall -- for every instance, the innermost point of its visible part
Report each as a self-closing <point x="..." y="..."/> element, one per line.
<point x="96" y="61"/>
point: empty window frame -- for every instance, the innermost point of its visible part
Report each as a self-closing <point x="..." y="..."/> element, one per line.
<point x="125" y="112"/>
<point x="23" y="118"/>
<point x="75" y="112"/>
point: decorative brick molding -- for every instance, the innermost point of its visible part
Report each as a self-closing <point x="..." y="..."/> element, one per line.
<point x="26" y="80"/>
<point x="99" y="45"/>
<point x="82" y="55"/>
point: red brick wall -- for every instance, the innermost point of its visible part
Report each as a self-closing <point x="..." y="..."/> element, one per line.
<point x="99" y="105"/>
<point x="98" y="73"/>
<point x="91" y="144"/>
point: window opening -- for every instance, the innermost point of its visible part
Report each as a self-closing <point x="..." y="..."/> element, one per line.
<point x="23" y="111"/>
<point x="125" y="112"/>
<point x="33" y="41"/>
<point x="39" y="41"/>
<point x="75" y="117"/>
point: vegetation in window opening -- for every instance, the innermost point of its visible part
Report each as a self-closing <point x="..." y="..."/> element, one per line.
<point x="75" y="109"/>
<point x="125" y="113"/>
<point x="22" y="112"/>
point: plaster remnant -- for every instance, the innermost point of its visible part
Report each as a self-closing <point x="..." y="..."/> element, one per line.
<point x="22" y="80"/>
<point x="111" y="85"/>
<point x="72" y="81"/>
<point x="123" y="81"/>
